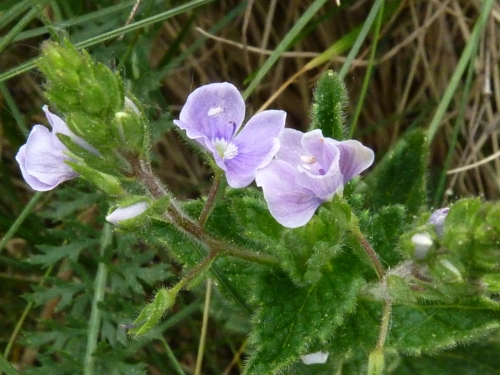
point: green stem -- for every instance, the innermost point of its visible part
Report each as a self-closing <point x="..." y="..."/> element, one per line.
<point x="203" y="338"/>
<point x="193" y="229"/>
<point x="371" y="253"/>
<point x="19" y="220"/>
<point x="199" y="268"/>
<point x="384" y="324"/>
<point x="211" y="199"/>
<point x="170" y="354"/>
<point x="95" y="315"/>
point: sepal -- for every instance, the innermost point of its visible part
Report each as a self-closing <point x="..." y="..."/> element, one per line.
<point x="153" y="312"/>
<point x="109" y="184"/>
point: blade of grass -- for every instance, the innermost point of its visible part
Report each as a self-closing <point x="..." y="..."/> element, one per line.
<point x="284" y="45"/>
<point x="456" y="132"/>
<point x="11" y="104"/>
<point x="15" y="226"/>
<point x="171" y="356"/>
<point x="4" y="42"/>
<point x="367" y="25"/>
<point x="6" y="367"/>
<point x="467" y="56"/>
<point x="13" y="12"/>
<point x="113" y="34"/>
<point x="369" y="69"/>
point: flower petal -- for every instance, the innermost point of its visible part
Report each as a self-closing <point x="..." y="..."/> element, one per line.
<point x="257" y="144"/>
<point x="354" y="158"/>
<point x="212" y="111"/>
<point x="42" y="160"/>
<point x="314" y="358"/>
<point x="293" y="150"/>
<point x="290" y="204"/>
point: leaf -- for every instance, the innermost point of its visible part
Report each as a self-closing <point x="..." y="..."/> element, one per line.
<point x="479" y="358"/>
<point x="385" y="228"/>
<point x="290" y="318"/>
<point x="330" y="99"/>
<point x="399" y="178"/>
<point x="431" y="328"/>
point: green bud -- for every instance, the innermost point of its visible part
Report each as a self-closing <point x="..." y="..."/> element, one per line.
<point x="153" y="312"/>
<point x="91" y="129"/>
<point x="130" y="129"/>
<point x="109" y="184"/>
<point x="376" y="362"/>
<point x="330" y="99"/>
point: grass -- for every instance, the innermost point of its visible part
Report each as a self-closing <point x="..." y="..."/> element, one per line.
<point x="406" y="64"/>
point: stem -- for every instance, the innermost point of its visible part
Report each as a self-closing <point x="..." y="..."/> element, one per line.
<point x="371" y="254"/>
<point x="384" y="324"/>
<point x="203" y="338"/>
<point x="142" y="171"/>
<point x="200" y="267"/>
<point x="211" y="199"/>
<point x="95" y="315"/>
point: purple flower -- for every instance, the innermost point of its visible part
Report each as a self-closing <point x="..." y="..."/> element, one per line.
<point x="437" y="219"/>
<point x="212" y="116"/>
<point x="42" y="158"/>
<point x="307" y="171"/>
<point x="126" y="213"/>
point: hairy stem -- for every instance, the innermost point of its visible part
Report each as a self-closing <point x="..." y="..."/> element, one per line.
<point x="211" y="199"/>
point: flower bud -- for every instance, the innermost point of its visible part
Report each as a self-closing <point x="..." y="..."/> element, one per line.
<point x="422" y="243"/>
<point x="437" y="219"/>
<point x="128" y="216"/>
<point x="314" y="358"/>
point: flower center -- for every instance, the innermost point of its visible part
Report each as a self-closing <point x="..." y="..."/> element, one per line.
<point x="310" y="163"/>
<point x="225" y="149"/>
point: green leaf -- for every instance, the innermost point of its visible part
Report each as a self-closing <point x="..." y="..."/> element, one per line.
<point x="290" y="318"/>
<point x="479" y="358"/>
<point x="399" y="178"/>
<point x="385" y="228"/>
<point x="330" y="99"/>
<point x="434" y="327"/>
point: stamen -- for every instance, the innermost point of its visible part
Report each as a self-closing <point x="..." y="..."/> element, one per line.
<point x="308" y="159"/>
<point x="213" y="112"/>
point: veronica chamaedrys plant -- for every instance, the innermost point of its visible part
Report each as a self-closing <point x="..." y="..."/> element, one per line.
<point x="307" y="171"/>
<point x="43" y="158"/>
<point x="212" y="116"/>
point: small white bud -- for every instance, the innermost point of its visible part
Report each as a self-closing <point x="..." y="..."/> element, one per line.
<point x="125" y="213"/>
<point x="423" y="243"/>
<point x="314" y="358"/>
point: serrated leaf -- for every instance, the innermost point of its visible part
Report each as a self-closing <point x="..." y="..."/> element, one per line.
<point x="290" y="318"/>
<point x="399" y="178"/>
<point x="330" y="99"/>
<point x="53" y="254"/>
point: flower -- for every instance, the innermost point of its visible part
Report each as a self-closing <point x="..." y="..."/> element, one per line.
<point x="126" y="213"/>
<point x="212" y="116"/>
<point x="314" y="358"/>
<point x="307" y="171"/>
<point x="42" y="158"/>
<point x="437" y="219"/>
